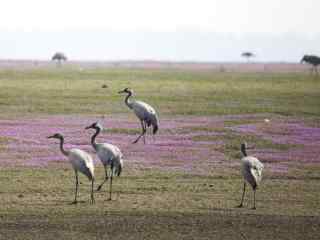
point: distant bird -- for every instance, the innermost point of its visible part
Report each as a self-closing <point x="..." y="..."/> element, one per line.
<point x="252" y="173"/>
<point x="146" y="114"/>
<point x="312" y="60"/>
<point x="80" y="161"/>
<point x="108" y="154"/>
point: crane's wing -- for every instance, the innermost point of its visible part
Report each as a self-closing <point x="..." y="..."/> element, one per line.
<point x="256" y="169"/>
<point x="82" y="162"/>
<point x="143" y="110"/>
<point x="108" y="152"/>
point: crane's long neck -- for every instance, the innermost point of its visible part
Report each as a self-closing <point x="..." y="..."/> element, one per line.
<point x="93" y="138"/>
<point x="127" y="101"/>
<point x="244" y="151"/>
<point x="64" y="152"/>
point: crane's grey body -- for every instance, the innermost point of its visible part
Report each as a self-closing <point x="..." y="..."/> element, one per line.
<point x="145" y="113"/>
<point x="81" y="162"/>
<point x="109" y="155"/>
<point x="251" y="169"/>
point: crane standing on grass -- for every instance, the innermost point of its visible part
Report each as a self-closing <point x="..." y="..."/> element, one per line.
<point x="81" y="162"/>
<point x="252" y="173"/>
<point x="146" y="114"/>
<point x="108" y="154"/>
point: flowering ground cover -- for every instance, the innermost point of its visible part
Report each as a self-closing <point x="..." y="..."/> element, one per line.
<point x="184" y="183"/>
<point x="194" y="145"/>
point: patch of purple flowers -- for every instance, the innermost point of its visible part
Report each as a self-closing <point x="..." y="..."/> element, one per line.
<point x="171" y="149"/>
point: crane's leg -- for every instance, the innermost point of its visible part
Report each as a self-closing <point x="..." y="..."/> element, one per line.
<point x="111" y="177"/>
<point x="244" y="190"/>
<point x="143" y="132"/>
<point x="106" y="178"/>
<point x="92" y="196"/>
<point x="77" y="185"/>
<point x="153" y="136"/>
<point x="254" y="199"/>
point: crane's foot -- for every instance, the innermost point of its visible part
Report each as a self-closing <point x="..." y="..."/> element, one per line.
<point x="253" y="208"/>
<point x="240" y="206"/>
<point x="92" y="201"/>
<point x="74" y="202"/>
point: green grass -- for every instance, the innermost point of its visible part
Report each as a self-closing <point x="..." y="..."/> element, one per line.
<point x="172" y="92"/>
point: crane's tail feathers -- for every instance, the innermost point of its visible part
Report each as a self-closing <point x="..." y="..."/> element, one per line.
<point x="155" y="129"/>
<point x="90" y="177"/>
<point x="119" y="170"/>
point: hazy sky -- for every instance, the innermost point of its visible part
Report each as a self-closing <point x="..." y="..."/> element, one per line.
<point x="204" y="30"/>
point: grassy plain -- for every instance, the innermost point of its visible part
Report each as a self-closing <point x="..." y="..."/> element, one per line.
<point x="157" y="203"/>
<point x="175" y="92"/>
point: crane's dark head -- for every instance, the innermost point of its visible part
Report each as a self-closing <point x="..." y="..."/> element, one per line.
<point x="95" y="125"/>
<point x="126" y="90"/>
<point x="244" y="147"/>
<point x="57" y="136"/>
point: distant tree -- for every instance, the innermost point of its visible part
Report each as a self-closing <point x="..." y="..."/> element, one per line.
<point x="247" y="55"/>
<point x="312" y="60"/>
<point x="59" y="57"/>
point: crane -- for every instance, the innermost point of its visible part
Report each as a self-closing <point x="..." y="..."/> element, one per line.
<point x="252" y="173"/>
<point x="80" y="161"/>
<point x="145" y="113"/>
<point x="109" y="155"/>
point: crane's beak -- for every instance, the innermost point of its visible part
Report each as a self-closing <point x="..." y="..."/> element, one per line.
<point x="86" y="128"/>
<point x="51" y="136"/>
<point x="121" y="92"/>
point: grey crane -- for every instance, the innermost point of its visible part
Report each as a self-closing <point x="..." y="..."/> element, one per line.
<point x="110" y="155"/>
<point x="145" y="113"/>
<point x="252" y="173"/>
<point x="80" y="161"/>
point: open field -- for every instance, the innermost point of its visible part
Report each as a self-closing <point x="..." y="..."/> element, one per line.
<point x="186" y="182"/>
